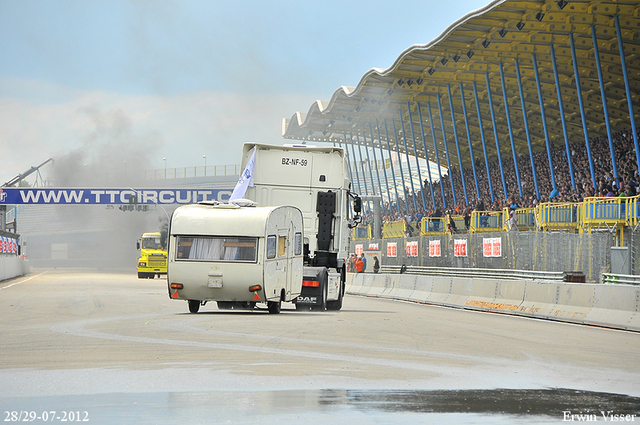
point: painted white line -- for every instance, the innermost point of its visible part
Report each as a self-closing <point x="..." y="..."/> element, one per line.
<point x="22" y="281"/>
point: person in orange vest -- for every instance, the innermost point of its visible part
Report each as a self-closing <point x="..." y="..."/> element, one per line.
<point x="359" y="265"/>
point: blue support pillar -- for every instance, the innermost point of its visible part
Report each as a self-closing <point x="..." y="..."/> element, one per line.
<point x="426" y="155"/>
<point x="628" y="90"/>
<point x="495" y="136"/>
<point x="355" y="161"/>
<point x="508" y="117"/>
<point x="455" y="135"/>
<point x="466" y="123"/>
<point x="544" y="120"/>
<point x="446" y="150"/>
<point x="366" y="149"/>
<point x="384" y="168"/>
<point x="562" y="119"/>
<point x="435" y="148"/>
<point x="406" y="152"/>
<point x="526" y="130"/>
<point x="404" y="185"/>
<point x="393" y="172"/>
<point x="415" y="153"/>
<point x="596" y="52"/>
<point x="582" y="112"/>
<point x="484" y="145"/>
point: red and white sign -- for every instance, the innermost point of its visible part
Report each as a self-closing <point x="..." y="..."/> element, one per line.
<point x="434" y="248"/>
<point x="412" y="249"/>
<point x="392" y="249"/>
<point x="460" y="247"/>
<point x="373" y="247"/>
<point x="492" y="247"/>
<point x="359" y="249"/>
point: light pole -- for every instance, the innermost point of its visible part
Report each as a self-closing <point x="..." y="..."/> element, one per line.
<point x="165" y="167"/>
<point x="205" y="164"/>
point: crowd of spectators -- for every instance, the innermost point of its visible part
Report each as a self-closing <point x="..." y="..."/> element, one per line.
<point x="627" y="183"/>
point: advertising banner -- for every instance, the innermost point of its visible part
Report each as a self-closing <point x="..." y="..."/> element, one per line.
<point x="434" y="248"/>
<point x="412" y="249"/>
<point x="460" y="247"/>
<point x="93" y="196"/>
<point x="392" y="249"/>
<point x="492" y="247"/>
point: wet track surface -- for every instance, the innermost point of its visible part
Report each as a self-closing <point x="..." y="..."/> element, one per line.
<point x="111" y="348"/>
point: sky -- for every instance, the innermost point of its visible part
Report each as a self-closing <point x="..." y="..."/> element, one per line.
<point x="115" y="86"/>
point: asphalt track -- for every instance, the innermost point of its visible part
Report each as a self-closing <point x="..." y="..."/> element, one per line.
<point x="115" y="349"/>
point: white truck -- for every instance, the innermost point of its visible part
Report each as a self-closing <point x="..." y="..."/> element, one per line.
<point x="316" y="180"/>
<point x="236" y="255"/>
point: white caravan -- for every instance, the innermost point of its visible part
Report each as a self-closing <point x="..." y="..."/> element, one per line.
<point x="235" y="255"/>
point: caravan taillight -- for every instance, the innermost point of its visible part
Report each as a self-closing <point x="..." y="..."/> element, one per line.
<point x="177" y="286"/>
<point x="255" y="288"/>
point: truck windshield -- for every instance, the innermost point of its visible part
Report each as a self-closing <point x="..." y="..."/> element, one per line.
<point x="217" y="248"/>
<point x="152" y="243"/>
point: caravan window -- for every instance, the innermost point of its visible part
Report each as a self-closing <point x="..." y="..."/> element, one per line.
<point x="208" y="248"/>
<point x="298" y="244"/>
<point x="271" y="246"/>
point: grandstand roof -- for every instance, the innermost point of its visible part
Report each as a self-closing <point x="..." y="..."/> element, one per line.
<point x="472" y="51"/>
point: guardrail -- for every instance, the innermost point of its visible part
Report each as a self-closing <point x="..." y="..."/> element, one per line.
<point x="625" y="279"/>
<point x="575" y="277"/>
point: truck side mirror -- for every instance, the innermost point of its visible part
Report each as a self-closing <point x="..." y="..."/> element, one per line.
<point x="357" y="204"/>
<point x="138" y="245"/>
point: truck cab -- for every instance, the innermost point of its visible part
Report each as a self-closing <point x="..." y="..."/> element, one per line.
<point x="316" y="180"/>
<point x="236" y="255"/>
<point x="153" y="255"/>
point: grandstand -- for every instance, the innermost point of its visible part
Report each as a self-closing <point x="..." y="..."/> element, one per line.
<point x="527" y="104"/>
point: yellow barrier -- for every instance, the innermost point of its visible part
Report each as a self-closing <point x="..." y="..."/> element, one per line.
<point x="395" y="229"/>
<point x="487" y="221"/>
<point x="632" y="215"/>
<point x="433" y="226"/>
<point x="558" y="216"/>
<point x="525" y="219"/>
<point x="609" y="212"/>
<point x="361" y="233"/>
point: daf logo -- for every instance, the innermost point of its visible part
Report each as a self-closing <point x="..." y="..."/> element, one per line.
<point x="306" y="300"/>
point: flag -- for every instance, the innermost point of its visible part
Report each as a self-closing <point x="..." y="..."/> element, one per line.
<point x="246" y="178"/>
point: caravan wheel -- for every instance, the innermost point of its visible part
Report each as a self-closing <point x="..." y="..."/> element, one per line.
<point x="274" y="306"/>
<point x="194" y="306"/>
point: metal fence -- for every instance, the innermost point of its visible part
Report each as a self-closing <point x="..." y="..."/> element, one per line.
<point x="587" y="253"/>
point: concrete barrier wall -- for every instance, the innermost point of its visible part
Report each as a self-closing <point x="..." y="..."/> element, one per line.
<point x="614" y="306"/>
<point x="12" y="266"/>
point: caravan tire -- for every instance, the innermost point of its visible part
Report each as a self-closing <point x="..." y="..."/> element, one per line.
<point x="274" y="306"/>
<point x="194" y="306"/>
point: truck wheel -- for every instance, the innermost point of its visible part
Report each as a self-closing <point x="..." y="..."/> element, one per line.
<point x="194" y="306"/>
<point x="323" y="302"/>
<point x="337" y="304"/>
<point x="274" y="306"/>
<point x="142" y="275"/>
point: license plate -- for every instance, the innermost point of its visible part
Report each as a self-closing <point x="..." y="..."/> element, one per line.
<point x="215" y="282"/>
